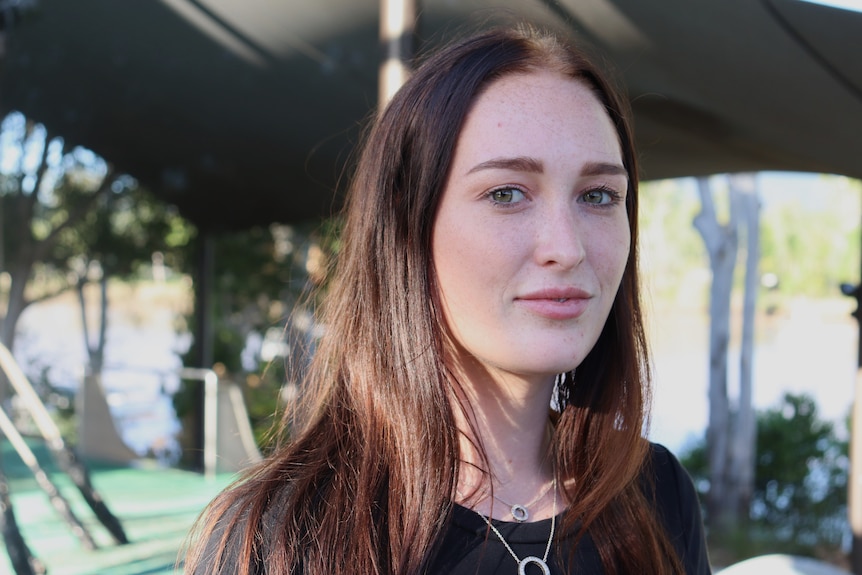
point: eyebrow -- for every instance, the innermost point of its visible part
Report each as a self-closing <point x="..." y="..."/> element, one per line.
<point x="532" y="165"/>
<point x="604" y="169"/>
<point x="517" y="164"/>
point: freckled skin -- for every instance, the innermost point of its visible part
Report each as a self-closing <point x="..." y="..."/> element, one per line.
<point x="531" y="237"/>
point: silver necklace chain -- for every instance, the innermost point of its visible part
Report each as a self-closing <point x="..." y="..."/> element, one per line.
<point x="521" y="513"/>
<point x="532" y="559"/>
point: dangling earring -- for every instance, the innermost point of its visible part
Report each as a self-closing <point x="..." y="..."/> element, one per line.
<point x="563" y="387"/>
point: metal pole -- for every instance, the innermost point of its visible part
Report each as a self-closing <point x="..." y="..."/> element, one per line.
<point x="397" y="28"/>
<point x="204" y="284"/>
<point x="854" y="495"/>
<point x="854" y="481"/>
<point x="209" y="379"/>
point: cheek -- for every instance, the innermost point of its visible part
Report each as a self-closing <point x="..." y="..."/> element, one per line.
<point x="446" y="251"/>
<point x="458" y="257"/>
<point x="472" y="268"/>
<point x="611" y="254"/>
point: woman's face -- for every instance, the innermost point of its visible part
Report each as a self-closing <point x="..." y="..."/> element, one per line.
<point x="531" y="236"/>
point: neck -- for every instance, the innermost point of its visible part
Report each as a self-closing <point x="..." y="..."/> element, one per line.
<point x="508" y="418"/>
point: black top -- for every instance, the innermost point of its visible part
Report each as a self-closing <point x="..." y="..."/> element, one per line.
<point x="470" y="548"/>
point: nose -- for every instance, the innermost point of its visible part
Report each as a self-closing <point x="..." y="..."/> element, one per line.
<point x="559" y="238"/>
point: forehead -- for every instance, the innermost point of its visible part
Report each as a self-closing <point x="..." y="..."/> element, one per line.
<point x="540" y="112"/>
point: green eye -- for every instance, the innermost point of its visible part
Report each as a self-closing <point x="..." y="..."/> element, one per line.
<point x="506" y="195"/>
<point x="600" y="197"/>
<point x="595" y="197"/>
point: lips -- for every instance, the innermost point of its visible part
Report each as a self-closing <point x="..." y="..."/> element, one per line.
<point x="555" y="303"/>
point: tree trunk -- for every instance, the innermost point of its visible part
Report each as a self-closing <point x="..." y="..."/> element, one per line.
<point x="16" y="305"/>
<point x="2" y="237"/>
<point x="742" y="453"/>
<point x="22" y="560"/>
<point x="98" y="436"/>
<point x="95" y="349"/>
<point x="721" y="243"/>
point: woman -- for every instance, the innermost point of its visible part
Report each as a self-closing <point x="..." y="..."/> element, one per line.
<point x="488" y="271"/>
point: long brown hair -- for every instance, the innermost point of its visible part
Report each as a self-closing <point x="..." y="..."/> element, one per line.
<point x="365" y="484"/>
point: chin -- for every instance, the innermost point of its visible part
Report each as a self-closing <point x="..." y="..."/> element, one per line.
<point x="549" y="368"/>
<point x="561" y="362"/>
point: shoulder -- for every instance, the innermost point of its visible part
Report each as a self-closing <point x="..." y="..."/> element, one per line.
<point x="670" y="488"/>
<point x="673" y="487"/>
<point x="678" y="507"/>
<point x="664" y="465"/>
<point x="221" y="538"/>
<point x="235" y="533"/>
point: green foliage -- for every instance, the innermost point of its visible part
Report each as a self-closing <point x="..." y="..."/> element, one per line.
<point x="811" y="246"/>
<point x="262" y="395"/>
<point x="259" y="276"/>
<point x="121" y="232"/>
<point x="66" y="214"/>
<point x="801" y="478"/>
<point x="671" y="249"/>
<point x="799" y="504"/>
<point x="813" y="249"/>
<point x="66" y="218"/>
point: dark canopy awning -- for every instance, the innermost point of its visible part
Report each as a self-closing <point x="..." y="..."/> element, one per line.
<point x="245" y="113"/>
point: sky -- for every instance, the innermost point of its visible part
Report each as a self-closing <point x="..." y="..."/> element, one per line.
<point x="855" y="5"/>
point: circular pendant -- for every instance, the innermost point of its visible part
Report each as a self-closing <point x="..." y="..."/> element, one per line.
<point x="520" y="513"/>
<point x="522" y="565"/>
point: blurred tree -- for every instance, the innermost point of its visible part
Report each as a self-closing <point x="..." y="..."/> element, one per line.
<point x="63" y="215"/>
<point x="799" y="503"/>
<point x="114" y="240"/>
<point x="801" y="484"/>
<point x="730" y="432"/>
<point x="68" y="219"/>
<point x="259" y="276"/>
<point x="671" y="249"/>
<point x="33" y="212"/>
<point x="811" y="244"/>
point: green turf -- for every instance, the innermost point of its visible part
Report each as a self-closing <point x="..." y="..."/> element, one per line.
<point x="156" y="507"/>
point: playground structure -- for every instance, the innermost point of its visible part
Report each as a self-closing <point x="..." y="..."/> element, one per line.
<point x="228" y="446"/>
<point x="228" y="442"/>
